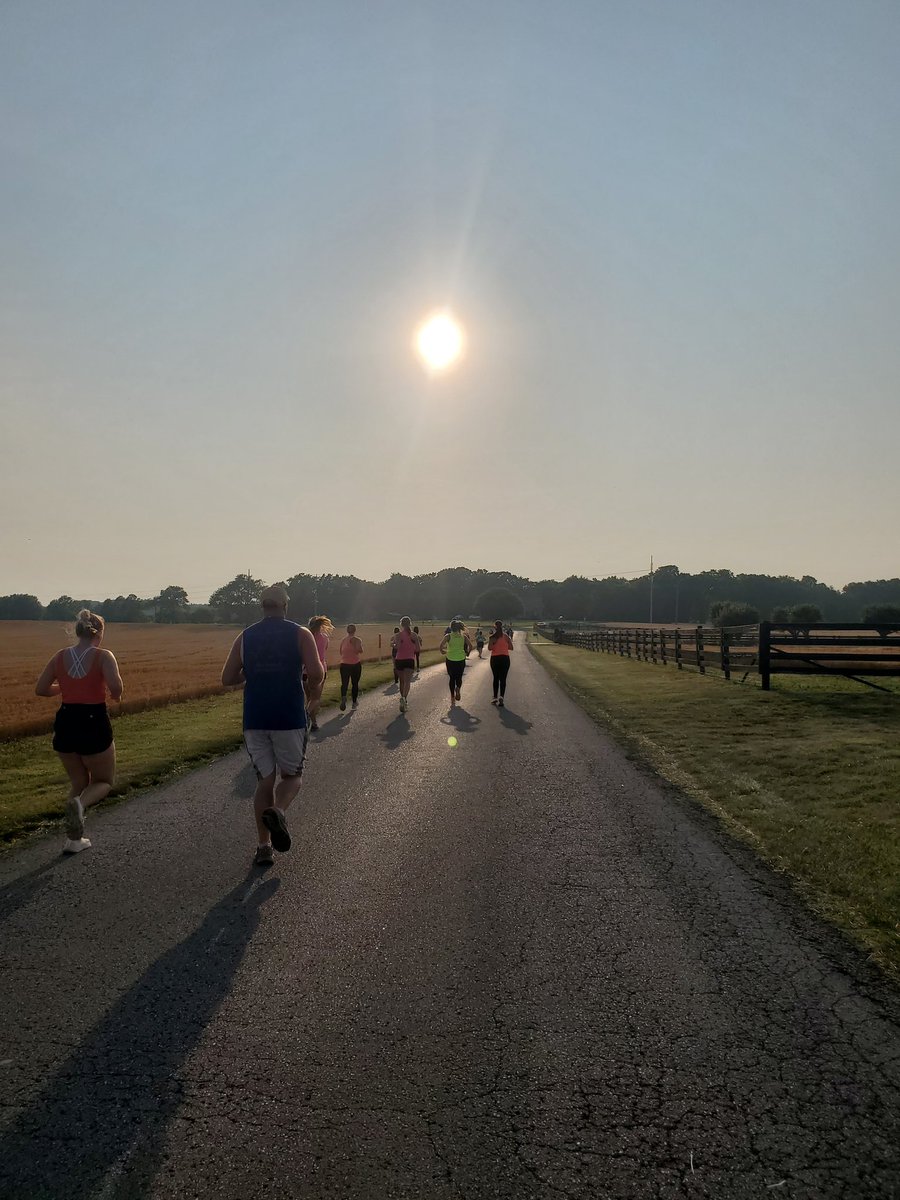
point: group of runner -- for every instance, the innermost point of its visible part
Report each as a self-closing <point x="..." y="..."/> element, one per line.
<point x="283" y="668"/>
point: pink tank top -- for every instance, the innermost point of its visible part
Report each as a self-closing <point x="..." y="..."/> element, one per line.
<point x="349" y="653"/>
<point x="406" y="645"/>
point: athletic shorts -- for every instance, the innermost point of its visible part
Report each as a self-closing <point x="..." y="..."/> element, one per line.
<point x="281" y="748"/>
<point x="82" y="729"/>
<point x="405" y="664"/>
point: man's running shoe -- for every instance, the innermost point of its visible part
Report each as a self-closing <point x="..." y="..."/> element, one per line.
<point x="264" y="856"/>
<point x="273" y="819"/>
<point x="76" y="845"/>
<point x="343" y="703"/>
<point x="74" y="819"/>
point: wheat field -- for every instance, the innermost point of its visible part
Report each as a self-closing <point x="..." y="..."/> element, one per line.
<point x="160" y="664"/>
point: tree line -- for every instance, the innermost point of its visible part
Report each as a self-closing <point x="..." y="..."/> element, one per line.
<point x="676" y="596"/>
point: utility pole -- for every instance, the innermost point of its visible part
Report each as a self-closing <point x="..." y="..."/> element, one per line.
<point x="651" y="589"/>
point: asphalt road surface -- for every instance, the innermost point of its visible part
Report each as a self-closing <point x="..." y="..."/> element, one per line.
<point x="520" y="967"/>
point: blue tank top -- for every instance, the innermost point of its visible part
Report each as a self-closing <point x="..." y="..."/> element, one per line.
<point x="273" y="693"/>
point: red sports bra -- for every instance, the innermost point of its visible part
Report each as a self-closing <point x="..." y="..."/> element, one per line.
<point x="87" y="686"/>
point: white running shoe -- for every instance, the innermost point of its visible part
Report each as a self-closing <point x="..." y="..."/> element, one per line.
<point x="74" y="819"/>
<point x="76" y="845"/>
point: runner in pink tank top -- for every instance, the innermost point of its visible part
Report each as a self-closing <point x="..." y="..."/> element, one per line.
<point x="408" y="645"/>
<point x="82" y="676"/>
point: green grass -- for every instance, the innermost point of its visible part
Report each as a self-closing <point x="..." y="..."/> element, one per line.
<point x="151" y="746"/>
<point x="808" y="774"/>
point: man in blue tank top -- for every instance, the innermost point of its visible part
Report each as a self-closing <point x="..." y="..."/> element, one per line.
<point x="269" y="658"/>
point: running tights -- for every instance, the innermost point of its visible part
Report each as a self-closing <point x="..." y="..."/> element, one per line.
<point x="455" y="671"/>
<point x="500" y="670"/>
<point x="350" y="673"/>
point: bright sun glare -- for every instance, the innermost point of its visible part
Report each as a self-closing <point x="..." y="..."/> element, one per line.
<point x="439" y="341"/>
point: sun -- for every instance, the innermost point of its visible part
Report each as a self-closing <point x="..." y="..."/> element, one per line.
<point x="440" y="341"/>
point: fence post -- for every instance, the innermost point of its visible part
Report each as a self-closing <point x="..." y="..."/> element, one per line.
<point x="763" y="653"/>
<point x="724" y="654"/>
<point x="662" y="648"/>
<point x="698" y="642"/>
<point x="628" y="643"/>
<point x="678" y="662"/>
<point x="653" y="654"/>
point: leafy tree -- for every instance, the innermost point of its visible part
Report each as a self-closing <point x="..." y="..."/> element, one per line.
<point x="128" y="608"/>
<point x="20" y="607"/>
<point x="781" y="615"/>
<point x="63" y="608"/>
<point x="806" y="614"/>
<point x="725" y="613"/>
<point x="171" y="605"/>
<point x="882" y="614"/>
<point x="200" y="614"/>
<point x="498" y="603"/>
<point x="238" y="601"/>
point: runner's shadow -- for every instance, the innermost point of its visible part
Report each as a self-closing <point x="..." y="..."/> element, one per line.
<point x="333" y="728"/>
<point x="22" y="890"/>
<point x="391" y="690"/>
<point x="462" y="721"/>
<point x="107" y="1107"/>
<point x="514" y="722"/>
<point x="397" y="732"/>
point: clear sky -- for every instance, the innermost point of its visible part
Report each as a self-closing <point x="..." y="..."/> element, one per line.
<point x="671" y="231"/>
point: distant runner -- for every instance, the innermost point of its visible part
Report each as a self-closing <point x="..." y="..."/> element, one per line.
<point x="500" y="646"/>
<point x="271" y="656"/>
<point x="408" y="645"/>
<point x="479" y="641"/>
<point x="418" y="652"/>
<point x="82" y="734"/>
<point x="351" y="650"/>
<point x="321" y="628"/>
<point x="456" y="646"/>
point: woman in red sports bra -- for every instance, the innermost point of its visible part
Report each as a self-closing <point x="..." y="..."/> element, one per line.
<point x="81" y="676"/>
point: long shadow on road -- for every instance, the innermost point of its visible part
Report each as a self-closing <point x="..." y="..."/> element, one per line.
<point x="513" y="721"/>
<point x="397" y="732"/>
<point x="104" y="1115"/>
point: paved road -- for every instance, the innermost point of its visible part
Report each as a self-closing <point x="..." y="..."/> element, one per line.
<point x="517" y="968"/>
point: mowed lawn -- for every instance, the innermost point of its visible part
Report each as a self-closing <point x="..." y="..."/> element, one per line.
<point x="808" y="773"/>
<point x="150" y="746"/>
<point x="160" y="664"/>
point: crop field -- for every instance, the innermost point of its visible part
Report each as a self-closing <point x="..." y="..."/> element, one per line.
<point x="160" y="664"/>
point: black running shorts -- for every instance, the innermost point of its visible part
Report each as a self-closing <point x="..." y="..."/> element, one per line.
<point x="82" y="729"/>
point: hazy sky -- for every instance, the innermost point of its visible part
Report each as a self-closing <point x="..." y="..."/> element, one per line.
<point x="671" y="230"/>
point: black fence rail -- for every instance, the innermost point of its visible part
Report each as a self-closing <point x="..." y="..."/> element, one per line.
<point x="854" y="651"/>
<point x="700" y="646"/>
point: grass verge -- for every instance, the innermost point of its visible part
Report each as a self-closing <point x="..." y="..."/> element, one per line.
<point x="151" y="746"/>
<point x="807" y="774"/>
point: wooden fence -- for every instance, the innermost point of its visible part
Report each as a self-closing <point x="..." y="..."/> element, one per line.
<point x="700" y="646"/>
<point x="854" y="651"/>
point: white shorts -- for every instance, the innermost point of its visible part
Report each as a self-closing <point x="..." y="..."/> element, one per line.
<point x="281" y="748"/>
